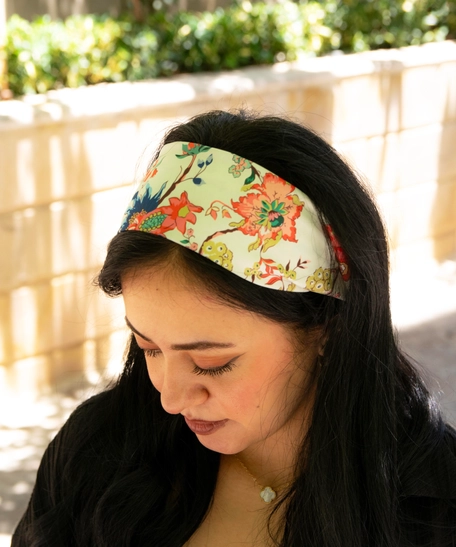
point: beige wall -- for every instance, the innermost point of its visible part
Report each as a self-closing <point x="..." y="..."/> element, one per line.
<point x="68" y="162"/>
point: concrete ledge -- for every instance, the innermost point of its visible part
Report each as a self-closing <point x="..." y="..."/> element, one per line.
<point x="107" y="99"/>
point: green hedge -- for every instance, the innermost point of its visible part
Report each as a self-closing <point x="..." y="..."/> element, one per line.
<point x="45" y="54"/>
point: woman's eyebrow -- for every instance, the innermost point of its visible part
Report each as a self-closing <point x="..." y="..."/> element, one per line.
<point x="132" y="328"/>
<point x="200" y="345"/>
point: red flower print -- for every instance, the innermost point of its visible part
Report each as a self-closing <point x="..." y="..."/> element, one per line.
<point x="179" y="212"/>
<point x="273" y="209"/>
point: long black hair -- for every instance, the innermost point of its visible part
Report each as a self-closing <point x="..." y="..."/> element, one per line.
<point x="136" y="475"/>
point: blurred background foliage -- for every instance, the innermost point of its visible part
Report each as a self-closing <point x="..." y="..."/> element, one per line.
<point x="83" y="50"/>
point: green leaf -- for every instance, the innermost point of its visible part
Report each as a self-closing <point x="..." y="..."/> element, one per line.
<point x="246" y="188"/>
<point x="296" y="200"/>
<point x="250" y="178"/>
<point x="237" y="224"/>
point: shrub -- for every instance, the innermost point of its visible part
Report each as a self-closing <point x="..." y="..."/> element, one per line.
<point x="84" y="50"/>
<point x="384" y="24"/>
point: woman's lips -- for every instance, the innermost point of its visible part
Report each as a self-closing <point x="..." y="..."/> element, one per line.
<point x="201" y="427"/>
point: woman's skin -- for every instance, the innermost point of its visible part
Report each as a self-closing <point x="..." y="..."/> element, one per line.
<point x="251" y="386"/>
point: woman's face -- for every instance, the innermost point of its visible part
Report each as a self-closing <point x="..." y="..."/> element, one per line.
<point x="232" y="374"/>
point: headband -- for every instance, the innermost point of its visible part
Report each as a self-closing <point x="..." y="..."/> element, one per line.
<point x="240" y="216"/>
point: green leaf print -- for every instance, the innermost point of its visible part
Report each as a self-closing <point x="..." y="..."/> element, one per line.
<point x="250" y="179"/>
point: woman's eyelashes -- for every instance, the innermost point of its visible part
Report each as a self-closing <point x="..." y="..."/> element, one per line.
<point x="216" y="371"/>
<point x="151" y="352"/>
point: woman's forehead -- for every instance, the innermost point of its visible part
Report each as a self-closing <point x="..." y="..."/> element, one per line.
<point x="166" y="304"/>
<point x="165" y="281"/>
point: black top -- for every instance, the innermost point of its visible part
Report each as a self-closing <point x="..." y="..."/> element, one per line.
<point x="427" y="503"/>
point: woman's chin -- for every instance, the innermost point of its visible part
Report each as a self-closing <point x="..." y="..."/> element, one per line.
<point x="222" y="445"/>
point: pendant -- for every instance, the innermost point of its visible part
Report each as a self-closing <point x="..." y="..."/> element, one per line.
<point x="268" y="494"/>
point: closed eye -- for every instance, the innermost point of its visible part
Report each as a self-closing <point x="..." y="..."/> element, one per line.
<point x="216" y="371"/>
<point x="151" y="352"/>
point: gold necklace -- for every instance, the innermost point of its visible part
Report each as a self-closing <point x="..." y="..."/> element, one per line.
<point x="267" y="493"/>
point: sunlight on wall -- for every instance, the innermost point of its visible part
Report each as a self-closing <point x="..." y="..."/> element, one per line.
<point x="24" y="321"/>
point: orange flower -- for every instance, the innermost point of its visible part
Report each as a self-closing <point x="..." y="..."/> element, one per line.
<point x="272" y="210"/>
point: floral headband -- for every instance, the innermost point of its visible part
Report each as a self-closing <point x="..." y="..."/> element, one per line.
<point x="241" y="216"/>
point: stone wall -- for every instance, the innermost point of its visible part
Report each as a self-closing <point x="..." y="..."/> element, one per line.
<point x="68" y="161"/>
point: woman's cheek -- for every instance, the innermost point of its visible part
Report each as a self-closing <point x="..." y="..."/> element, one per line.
<point x="245" y="401"/>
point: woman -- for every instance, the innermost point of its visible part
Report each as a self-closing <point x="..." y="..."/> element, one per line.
<point x="264" y="399"/>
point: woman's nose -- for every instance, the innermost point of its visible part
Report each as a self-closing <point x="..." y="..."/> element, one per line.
<point x="179" y="391"/>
